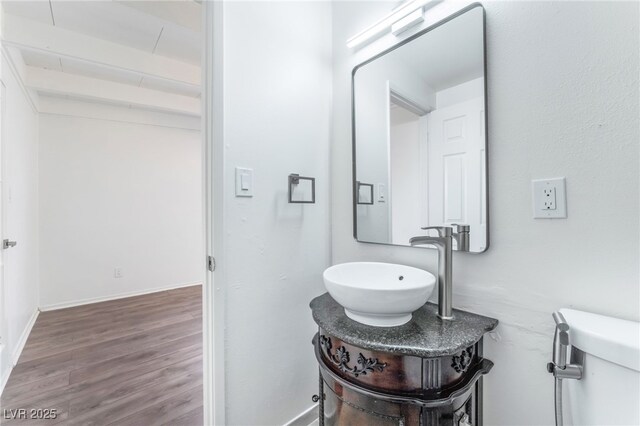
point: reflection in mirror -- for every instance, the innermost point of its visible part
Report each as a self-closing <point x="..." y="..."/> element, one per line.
<point x="364" y="193"/>
<point x="419" y="135"/>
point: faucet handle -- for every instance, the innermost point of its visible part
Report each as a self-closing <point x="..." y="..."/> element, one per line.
<point x="443" y="231"/>
<point x="461" y="227"/>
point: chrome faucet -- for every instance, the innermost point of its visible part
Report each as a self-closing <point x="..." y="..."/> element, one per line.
<point x="461" y="236"/>
<point x="444" y="244"/>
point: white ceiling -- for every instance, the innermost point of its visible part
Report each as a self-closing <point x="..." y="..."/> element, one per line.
<point x="122" y="23"/>
<point x="161" y="28"/>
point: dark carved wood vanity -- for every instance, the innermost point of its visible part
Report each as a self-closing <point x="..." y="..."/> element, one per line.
<point x="427" y="372"/>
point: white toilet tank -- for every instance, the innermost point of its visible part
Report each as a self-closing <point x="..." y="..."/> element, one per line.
<point x="609" y="391"/>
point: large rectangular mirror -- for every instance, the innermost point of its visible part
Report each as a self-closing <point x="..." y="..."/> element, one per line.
<point x="419" y="135"/>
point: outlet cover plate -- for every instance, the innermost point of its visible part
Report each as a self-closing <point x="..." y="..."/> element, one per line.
<point x="549" y="198"/>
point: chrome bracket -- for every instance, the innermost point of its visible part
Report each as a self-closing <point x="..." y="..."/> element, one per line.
<point x="561" y="344"/>
<point x="559" y="367"/>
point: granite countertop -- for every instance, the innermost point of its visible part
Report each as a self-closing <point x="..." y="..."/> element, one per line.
<point x="426" y="335"/>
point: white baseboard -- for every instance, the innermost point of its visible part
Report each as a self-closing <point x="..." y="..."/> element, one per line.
<point x="23" y="338"/>
<point x="115" y="296"/>
<point x="15" y="356"/>
<point x="305" y="418"/>
<point x="4" y="379"/>
<point x="4" y="375"/>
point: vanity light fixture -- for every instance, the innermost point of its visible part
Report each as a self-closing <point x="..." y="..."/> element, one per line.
<point x="384" y="24"/>
<point x="411" y="20"/>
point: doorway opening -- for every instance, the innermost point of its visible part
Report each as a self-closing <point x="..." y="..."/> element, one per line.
<point x="103" y="192"/>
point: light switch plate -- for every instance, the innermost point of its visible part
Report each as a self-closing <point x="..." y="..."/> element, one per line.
<point x="382" y="193"/>
<point x="244" y="182"/>
<point x="549" y="198"/>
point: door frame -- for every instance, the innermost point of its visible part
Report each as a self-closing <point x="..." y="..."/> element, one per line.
<point x="212" y="149"/>
<point x="213" y="211"/>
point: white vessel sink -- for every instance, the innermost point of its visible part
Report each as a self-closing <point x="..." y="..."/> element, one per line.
<point x="379" y="294"/>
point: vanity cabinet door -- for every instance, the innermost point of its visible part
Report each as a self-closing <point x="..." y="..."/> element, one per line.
<point x="345" y="406"/>
<point x="341" y="412"/>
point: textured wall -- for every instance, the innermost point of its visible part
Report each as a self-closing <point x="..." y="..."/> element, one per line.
<point x="277" y="115"/>
<point x="563" y="101"/>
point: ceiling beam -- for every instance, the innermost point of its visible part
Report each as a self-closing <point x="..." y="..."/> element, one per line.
<point x="185" y="13"/>
<point x="16" y="65"/>
<point x="27" y="34"/>
<point x="101" y="111"/>
<point x="60" y="83"/>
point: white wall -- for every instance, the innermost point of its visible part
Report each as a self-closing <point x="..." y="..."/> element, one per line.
<point x="117" y="194"/>
<point x="563" y="101"/>
<point x="277" y="115"/>
<point x="460" y="93"/>
<point x="19" y="202"/>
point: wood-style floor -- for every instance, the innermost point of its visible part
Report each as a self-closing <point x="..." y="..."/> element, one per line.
<point x="133" y="361"/>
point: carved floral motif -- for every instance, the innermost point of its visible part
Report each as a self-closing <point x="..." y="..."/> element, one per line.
<point x="461" y="362"/>
<point x="341" y="359"/>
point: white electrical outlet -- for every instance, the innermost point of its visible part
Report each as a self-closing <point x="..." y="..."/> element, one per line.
<point x="117" y="272"/>
<point x="549" y="198"/>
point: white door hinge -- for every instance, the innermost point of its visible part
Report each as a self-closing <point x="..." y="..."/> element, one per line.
<point x="211" y="263"/>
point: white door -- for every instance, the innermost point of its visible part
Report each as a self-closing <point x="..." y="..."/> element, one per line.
<point x="19" y="147"/>
<point x="456" y="156"/>
<point x="7" y="255"/>
<point x="3" y="310"/>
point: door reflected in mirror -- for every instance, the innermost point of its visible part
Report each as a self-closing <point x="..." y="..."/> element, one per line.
<point x="420" y="135"/>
